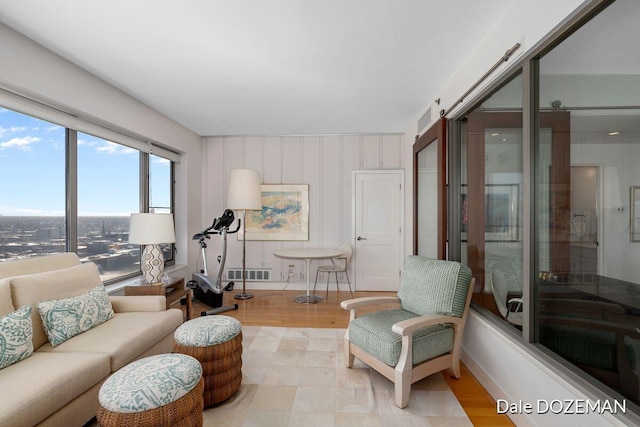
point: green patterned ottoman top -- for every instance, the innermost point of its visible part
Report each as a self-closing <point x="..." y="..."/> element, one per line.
<point x="207" y="330"/>
<point x="150" y="383"/>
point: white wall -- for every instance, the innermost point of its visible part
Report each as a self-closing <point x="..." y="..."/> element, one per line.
<point x="38" y="74"/>
<point x="324" y="162"/>
<point x="618" y="162"/>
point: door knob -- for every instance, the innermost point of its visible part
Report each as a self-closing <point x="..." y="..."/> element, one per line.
<point x="362" y="238"/>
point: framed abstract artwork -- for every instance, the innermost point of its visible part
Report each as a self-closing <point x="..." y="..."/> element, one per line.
<point x="501" y="207"/>
<point x="284" y="214"/>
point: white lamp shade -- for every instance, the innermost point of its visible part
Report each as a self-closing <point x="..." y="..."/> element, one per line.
<point x="244" y="190"/>
<point x="151" y="228"/>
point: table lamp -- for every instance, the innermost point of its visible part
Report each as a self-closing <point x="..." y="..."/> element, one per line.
<point x="151" y="229"/>
<point x="244" y="194"/>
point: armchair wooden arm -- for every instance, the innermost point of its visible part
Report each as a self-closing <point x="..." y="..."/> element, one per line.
<point x="409" y="326"/>
<point x="353" y="304"/>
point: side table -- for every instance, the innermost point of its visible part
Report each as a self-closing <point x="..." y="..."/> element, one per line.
<point x="173" y="290"/>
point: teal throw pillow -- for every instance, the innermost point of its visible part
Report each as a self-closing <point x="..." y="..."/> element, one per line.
<point x="16" y="333"/>
<point x="66" y="318"/>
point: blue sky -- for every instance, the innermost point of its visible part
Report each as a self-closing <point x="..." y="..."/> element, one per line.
<point x="32" y="171"/>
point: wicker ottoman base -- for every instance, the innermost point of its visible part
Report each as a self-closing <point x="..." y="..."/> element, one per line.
<point x="216" y="342"/>
<point x="221" y="368"/>
<point x="184" y="412"/>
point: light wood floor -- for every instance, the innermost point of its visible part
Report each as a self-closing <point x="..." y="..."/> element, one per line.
<point x="276" y="308"/>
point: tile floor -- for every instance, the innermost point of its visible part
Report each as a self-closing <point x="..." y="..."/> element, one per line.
<point x="296" y="377"/>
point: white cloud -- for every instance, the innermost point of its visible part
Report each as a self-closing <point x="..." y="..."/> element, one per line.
<point x="113" y="148"/>
<point x="53" y="128"/>
<point x="85" y="142"/>
<point x="23" y="143"/>
<point x="160" y="160"/>
<point x="12" y="129"/>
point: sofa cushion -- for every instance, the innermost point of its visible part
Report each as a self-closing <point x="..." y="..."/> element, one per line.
<point x="40" y="385"/>
<point x="6" y="306"/>
<point x="125" y="337"/>
<point x="64" y="283"/>
<point x="38" y="264"/>
<point x="66" y="318"/>
<point x="16" y="335"/>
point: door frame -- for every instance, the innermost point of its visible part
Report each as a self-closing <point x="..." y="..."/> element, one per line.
<point x="435" y="134"/>
<point x="401" y="217"/>
<point x="600" y="212"/>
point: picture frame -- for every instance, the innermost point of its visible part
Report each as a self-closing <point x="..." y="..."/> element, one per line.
<point x="501" y="212"/>
<point x="284" y="214"/>
<point x="634" y="213"/>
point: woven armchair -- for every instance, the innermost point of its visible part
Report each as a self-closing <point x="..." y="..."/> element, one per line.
<point x="422" y="336"/>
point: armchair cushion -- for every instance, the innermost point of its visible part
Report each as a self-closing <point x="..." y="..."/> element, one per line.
<point x="372" y="333"/>
<point x="426" y="288"/>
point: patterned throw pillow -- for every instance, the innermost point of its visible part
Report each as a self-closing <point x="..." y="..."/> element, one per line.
<point x="66" y="318"/>
<point x="16" y="333"/>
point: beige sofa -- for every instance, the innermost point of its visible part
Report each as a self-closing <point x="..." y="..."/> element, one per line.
<point x="58" y="386"/>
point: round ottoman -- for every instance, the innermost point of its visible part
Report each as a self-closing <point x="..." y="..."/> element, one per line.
<point x="162" y="390"/>
<point x="216" y="341"/>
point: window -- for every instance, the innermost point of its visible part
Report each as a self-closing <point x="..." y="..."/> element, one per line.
<point x="586" y="262"/>
<point x="71" y="191"/>
<point x="108" y="192"/>
<point x="32" y="200"/>
<point x="160" y="193"/>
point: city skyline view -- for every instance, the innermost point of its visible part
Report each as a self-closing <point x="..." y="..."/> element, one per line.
<point x="33" y="199"/>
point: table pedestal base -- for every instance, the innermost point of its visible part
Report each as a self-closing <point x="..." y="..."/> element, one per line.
<point x="308" y="299"/>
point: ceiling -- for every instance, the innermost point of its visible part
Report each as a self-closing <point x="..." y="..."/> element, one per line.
<point x="278" y="67"/>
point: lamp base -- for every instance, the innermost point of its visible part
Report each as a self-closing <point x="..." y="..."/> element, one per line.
<point x="152" y="263"/>
<point x="243" y="296"/>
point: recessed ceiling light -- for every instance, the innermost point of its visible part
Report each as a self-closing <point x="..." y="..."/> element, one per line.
<point x="495" y="134"/>
<point x="614" y="133"/>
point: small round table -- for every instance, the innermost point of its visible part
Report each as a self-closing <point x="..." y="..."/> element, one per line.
<point x="308" y="254"/>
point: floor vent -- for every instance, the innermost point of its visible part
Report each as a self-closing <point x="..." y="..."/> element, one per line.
<point x="253" y="274"/>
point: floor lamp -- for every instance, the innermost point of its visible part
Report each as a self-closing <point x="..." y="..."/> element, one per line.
<point x="244" y="194"/>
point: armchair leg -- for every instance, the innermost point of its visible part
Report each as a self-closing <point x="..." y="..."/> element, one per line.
<point x="402" y="387"/>
<point x="349" y="358"/>
<point x="455" y="369"/>
<point x="403" y="372"/>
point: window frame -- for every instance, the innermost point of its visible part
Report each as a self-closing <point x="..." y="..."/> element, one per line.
<point x="56" y="117"/>
<point x="528" y="65"/>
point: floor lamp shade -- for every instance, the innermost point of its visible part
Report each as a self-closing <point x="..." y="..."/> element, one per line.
<point x="244" y="194"/>
<point x="151" y="229"/>
<point x="244" y="190"/>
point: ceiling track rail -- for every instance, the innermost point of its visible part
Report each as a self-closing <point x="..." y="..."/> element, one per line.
<point x="505" y="58"/>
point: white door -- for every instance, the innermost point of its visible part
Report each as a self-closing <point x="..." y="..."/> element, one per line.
<point x="378" y="212"/>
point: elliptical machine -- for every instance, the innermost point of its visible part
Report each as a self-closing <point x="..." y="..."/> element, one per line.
<point x="204" y="289"/>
